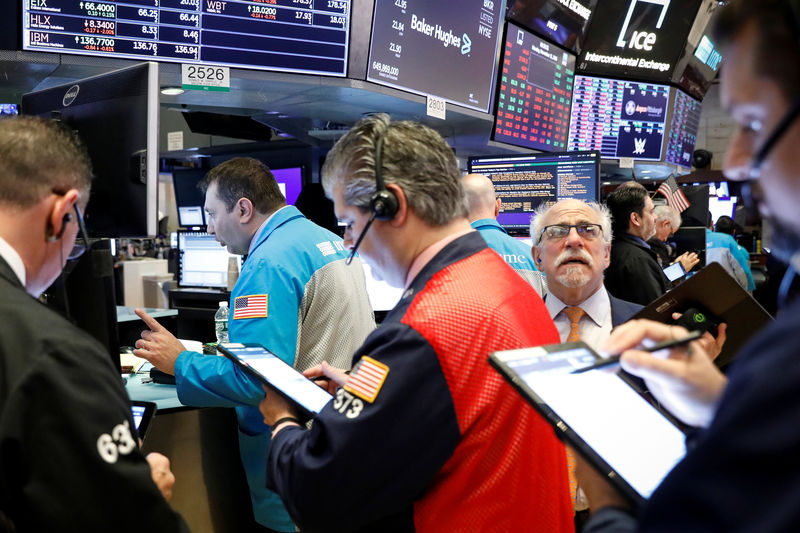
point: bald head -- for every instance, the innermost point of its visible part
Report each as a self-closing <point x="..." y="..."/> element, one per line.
<point x="481" y="200"/>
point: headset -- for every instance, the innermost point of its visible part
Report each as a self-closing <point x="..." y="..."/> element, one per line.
<point x="64" y="221"/>
<point x="383" y="203"/>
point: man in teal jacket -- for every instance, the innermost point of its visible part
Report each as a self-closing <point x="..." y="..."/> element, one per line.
<point x="295" y="295"/>
<point x="484" y="206"/>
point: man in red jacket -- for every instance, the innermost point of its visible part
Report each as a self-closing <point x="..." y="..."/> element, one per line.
<point x="423" y="435"/>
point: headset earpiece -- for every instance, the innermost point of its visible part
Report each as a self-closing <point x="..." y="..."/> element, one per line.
<point x="64" y="221"/>
<point x="384" y="204"/>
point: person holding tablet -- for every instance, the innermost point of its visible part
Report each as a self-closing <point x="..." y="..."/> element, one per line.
<point x="423" y="435"/>
<point x="741" y="471"/>
<point x="69" y="460"/>
<point x="295" y="295"/>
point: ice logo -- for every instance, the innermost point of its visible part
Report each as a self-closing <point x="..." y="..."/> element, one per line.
<point x="466" y="44"/>
<point x="70" y="95"/>
<point x="630" y="107"/>
<point x="638" y="145"/>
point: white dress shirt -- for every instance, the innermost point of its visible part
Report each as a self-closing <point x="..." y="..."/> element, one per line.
<point x="594" y="326"/>
<point x="13" y="259"/>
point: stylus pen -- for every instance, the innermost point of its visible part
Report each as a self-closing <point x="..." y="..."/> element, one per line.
<point x="614" y="359"/>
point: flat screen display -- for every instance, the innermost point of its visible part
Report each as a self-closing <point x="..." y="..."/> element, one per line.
<point x="683" y="130"/>
<point x="533" y="93"/>
<point x="524" y="182"/>
<point x="9" y="109"/>
<point x="562" y="22"/>
<point x="190" y="199"/>
<point x="116" y="117"/>
<point x="445" y="48"/>
<point x="303" y="36"/>
<point x="203" y="261"/>
<point x="619" y="118"/>
<point x="641" y="39"/>
<point x="722" y="206"/>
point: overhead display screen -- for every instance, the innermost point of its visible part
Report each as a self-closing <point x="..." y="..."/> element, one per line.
<point x="525" y="182"/>
<point x="304" y="36"/>
<point x="534" y="92"/>
<point x="683" y="130"/>
<point x="637" y="38"/>
<point x="445" y="48"/>
<point x="563" y="22"/>
<point x="619" y="118"/>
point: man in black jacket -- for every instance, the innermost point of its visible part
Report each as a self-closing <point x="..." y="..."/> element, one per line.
<point x="634" y="274"/>
<point x="69" y="459"/>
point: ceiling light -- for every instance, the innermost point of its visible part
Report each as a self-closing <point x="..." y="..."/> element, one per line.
<point x="171" y="91"/>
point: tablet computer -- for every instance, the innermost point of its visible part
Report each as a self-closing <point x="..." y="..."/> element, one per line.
<point x="715" y="291"/>
<point x="632" y="442"/>
<point x="143" y="413"/>
<point x="675" y="271"/>
<point x="270" y="369"/>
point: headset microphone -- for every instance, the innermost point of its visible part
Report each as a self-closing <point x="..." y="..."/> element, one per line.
<point x="383" y="203"/>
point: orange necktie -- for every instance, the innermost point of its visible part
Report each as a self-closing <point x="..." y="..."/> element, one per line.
<point x="574" y="314"/>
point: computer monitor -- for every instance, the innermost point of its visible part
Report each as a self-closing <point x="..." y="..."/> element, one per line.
<point x="562" y="22"/>
<point x="9" y="109"/>
<point x="534" y="91"/>
<point x="116" y="117"/>
<point x="690" y="239"/>
<point x="525" y="182"/>
<point x="189" y="199"/>
<point x="618" y="117"/>
<point x="203" y="262"/>
<point x="722" y="206"/>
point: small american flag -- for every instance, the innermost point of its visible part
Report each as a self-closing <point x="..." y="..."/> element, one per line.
<point x="252" y="306"/>
<point x="367" y="378"/>
<point x="674" y="195"/>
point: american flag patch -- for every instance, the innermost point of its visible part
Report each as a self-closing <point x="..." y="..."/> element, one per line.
<point x="367" y="378"/>
<point x="253" y="306"/>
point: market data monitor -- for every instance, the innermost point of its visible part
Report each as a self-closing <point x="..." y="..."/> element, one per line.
<point x="534" y="92"/>
<point x="619" y="118"/>
<point x="525" y="182"/>
<point x="305" y="36"/>
<point x="445" y="48"/>
<point x="683" y="130"/>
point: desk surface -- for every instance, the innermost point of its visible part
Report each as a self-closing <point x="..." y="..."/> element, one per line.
<point x="126" y="314"/>
<point x="165" y="396"/>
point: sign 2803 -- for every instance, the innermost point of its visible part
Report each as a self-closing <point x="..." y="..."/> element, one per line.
<point x="206" y="78"/>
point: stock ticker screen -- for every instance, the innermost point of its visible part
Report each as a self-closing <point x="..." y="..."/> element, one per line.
<point x="525" y="182"/>
<point x="302" y="36"/>
<point x="618" y="118"/>
<point x="444" y="48"/>
<point x="533" y="93"/>
<point x="683" y="130"/>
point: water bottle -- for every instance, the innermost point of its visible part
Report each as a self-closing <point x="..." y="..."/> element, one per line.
<point x="221" y="322"/>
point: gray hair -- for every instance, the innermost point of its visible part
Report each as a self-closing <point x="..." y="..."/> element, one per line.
<point x="665" y="212"/>
<point x="541" y="212"/>
<point x="415" y="158"/>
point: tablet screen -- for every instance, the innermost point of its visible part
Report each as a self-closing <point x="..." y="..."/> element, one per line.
<point x="283" y="377"/>
<point x="674" y="271"/>
<point x="637" y="441"/>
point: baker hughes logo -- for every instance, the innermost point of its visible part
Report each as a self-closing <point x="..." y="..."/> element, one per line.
<point x="448" y="38"/>
<point x="70" y="95"/>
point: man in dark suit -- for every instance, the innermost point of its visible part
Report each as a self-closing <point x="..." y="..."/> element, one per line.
<point x="634" y="273"/>
<point x="69" y="460"/>
<point x="740" y="472"/>
<point x="572" y="246"/>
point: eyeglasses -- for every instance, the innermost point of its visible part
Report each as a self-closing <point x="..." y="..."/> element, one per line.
<point x="556" y="232"/>
<point x="79" y="247"/>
